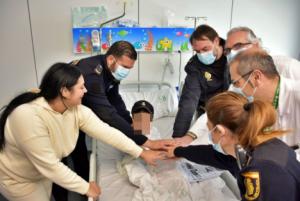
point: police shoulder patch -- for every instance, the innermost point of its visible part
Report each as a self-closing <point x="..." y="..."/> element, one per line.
<point x="75" y="62"/>
<point x="98" y="69"/>
<point x="252" y="184"/>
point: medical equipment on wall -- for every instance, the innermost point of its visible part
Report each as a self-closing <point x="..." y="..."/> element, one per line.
<point x="167" y="65"/>
<point x="196" y="19"/>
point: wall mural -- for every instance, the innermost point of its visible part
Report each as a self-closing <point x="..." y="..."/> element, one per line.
<point x="87" y="40"/>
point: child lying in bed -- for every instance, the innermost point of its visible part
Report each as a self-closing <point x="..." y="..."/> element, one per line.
<point x="142" y="115"/>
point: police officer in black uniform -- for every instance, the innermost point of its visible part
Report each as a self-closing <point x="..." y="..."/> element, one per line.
<point x="207" y="74"/>
<point x="102" y="75"/>
<point x="268" y="170"/>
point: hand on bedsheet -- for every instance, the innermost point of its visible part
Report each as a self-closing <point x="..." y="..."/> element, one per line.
<point x="159" y="144"/>
<point x="151" y="157"/>
<point x="94" y="190"/>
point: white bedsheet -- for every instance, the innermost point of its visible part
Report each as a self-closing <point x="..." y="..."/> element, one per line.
<point x="134" y="181"/>
<point x="163" y="183"/>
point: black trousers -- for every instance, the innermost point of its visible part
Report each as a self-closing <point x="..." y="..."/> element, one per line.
<point x="79" y="157"/>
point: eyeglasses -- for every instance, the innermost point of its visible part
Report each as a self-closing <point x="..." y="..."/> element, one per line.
<point x="236" y="46"/>
<point x="233" y="82"/>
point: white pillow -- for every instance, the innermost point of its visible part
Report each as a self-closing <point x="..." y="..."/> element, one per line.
<point x="164" y="101"/>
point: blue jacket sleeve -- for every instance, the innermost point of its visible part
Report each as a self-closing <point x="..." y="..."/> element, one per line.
<point x="187" y="104"/>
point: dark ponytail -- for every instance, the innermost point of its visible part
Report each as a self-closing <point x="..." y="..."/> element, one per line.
<point x="57" y="76"/>
<point x="19" y="100"/>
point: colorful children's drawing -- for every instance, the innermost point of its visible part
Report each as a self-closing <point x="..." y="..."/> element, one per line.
<point x="164" y="45"/>
<point x="142" y="38"/>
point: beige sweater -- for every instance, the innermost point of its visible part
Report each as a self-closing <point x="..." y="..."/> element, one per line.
<point x="37" y="137"/>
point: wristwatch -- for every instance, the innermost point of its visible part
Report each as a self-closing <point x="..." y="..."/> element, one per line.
<point x="192" y="135"/>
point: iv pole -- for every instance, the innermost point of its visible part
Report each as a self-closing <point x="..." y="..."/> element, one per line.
<point x="108" y="21"/>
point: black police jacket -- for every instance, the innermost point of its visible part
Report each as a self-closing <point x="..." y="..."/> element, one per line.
<point x="103" y="96"/>
<point x="272" y="173"/>
<point x="201" y="83"/>
<point x="206" y="155"/>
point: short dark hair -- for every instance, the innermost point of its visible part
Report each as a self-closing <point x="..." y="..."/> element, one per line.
<point x="122" y="48"/>
<point x="203" y="31"/>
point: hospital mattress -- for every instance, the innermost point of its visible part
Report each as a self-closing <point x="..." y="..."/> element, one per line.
<point x="115" y="184"/>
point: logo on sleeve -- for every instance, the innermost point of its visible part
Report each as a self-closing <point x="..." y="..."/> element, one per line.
<point x="252" y="184"/>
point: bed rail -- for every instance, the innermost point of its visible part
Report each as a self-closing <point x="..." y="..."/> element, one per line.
<point x="92" y="176"/>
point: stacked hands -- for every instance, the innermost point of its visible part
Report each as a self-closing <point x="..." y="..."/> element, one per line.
<point x="162" y="149"/>
<point x="157" y="150"/>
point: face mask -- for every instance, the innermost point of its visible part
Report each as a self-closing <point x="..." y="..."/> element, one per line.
<point x="240" y="91"/>
<point x="207" y="57"/>
<point x="233" y="53"/>
<point x="216" y="146"/>
<point x="120" y="73"/>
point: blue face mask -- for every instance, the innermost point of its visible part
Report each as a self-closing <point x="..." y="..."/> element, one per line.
<point x="216" y="146"/>
<point x="120" y="73"/>
<point x="239" y="90"/>
<point x="207" y="57"/>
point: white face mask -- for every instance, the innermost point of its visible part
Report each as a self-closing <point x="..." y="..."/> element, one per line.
<point x="216" y="146"/>
<point x="233" y="53"/>
<point x="239" y="90"/>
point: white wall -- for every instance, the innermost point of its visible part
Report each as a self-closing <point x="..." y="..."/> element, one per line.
<point x="17" y="70"/>
<point x="52" y="28"/>
<point x="275" y="21"/>
<point x="153" y="13"/>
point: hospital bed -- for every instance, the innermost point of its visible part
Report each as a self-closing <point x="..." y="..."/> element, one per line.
<point x="115" y="185"/>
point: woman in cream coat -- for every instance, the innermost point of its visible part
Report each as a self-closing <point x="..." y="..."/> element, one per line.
<point x="38" y="129"/>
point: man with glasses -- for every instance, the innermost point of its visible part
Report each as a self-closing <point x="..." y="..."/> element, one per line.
<point x="254" y="75"/>
<point x="243" y="38"/>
